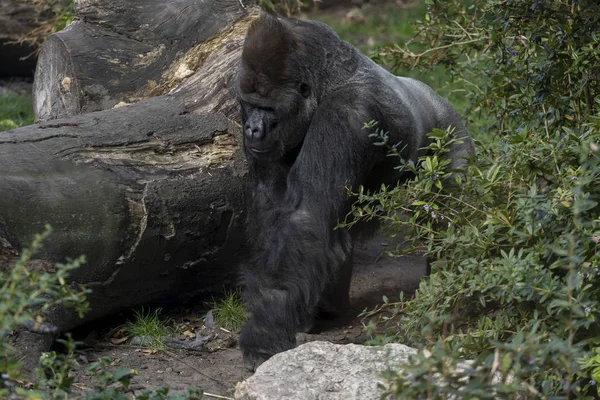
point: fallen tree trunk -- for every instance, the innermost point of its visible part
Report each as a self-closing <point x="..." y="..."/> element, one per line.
<point x="123" y="51"/>
<point x="155" y="205"/>
<point x="150" y="192"/>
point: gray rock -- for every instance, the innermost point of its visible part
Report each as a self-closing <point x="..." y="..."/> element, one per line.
<point x="323" y="371"/>
<point x="327" y="371"/>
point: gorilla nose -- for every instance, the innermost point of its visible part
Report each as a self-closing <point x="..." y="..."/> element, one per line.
<point x="253" y="133"/>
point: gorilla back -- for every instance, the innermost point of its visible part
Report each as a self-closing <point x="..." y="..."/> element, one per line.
<point x="305" y="96"/>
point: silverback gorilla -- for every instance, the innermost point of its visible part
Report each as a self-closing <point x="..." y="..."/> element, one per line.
<point x="305" y="96"/>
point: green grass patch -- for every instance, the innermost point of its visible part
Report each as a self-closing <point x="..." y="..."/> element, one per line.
<point x="383" y="24"/>
<point x="16" y="110"/>
<point x="229" y="311"/>
<point x="150" y="327"/>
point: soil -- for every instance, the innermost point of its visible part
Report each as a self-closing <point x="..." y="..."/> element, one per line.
<point x="375" y="275"/>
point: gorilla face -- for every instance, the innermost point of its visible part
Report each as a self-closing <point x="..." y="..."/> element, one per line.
<point x="277" y="99"/>
<point x="275" y="119"/>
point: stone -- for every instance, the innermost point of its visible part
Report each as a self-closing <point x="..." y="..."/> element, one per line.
<point x="323" y="371"/>
<point x="326" y="371"/>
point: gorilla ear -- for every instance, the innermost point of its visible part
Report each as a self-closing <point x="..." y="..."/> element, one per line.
<point x="304" y="90"/>
<point x="267" y="48"/>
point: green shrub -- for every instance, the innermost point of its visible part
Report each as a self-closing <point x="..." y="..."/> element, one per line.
<point x="515" y="238"/>
<point x="26" y="292"/>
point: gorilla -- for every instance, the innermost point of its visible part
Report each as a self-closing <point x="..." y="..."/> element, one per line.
<point x="305" y="96"/>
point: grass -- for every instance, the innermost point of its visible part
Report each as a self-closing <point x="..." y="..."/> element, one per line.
<point x="229" y="312"/>
<point x="384" y="24"/>
<point x="150" y="327"/>
<point x="16" y="110"/>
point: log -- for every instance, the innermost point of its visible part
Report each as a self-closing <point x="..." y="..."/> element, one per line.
<point x="156" y="205"/>
<point x="150" y="192"/>
<point x="124" y="51"/>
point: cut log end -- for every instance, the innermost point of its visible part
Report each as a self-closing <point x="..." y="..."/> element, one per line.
<point x="55" y="89"/>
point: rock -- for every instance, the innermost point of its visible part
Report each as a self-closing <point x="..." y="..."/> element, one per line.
<point x="355" y="16"/>
<point x="141" y="341"/>
<point x="327" y="371"/>
<point x="323" y="370"/>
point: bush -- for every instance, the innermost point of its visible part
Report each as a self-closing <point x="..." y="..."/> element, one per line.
<point x="26" y="293"/>
<point x="515" y="238"/>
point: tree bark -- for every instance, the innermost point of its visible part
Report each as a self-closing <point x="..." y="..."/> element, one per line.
<point x="123" y="51"/>
<point x="150" y="192"/>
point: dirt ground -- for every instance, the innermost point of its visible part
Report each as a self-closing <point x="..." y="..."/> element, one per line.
<point x="217" y="373"/>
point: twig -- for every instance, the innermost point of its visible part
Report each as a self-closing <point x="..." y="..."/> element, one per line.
<point x="418" y="56"/>
<point x="216" y="396"/>
<point x="117" y="346"/>
<point x="174" y="356"/>
<point x="548" y="136"/>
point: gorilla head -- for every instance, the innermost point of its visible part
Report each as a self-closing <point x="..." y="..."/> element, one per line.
<point x="305" y="96"/>
<point x="279" y="83"/>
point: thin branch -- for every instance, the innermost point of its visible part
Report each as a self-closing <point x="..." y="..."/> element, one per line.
<point x="418" y="56"/>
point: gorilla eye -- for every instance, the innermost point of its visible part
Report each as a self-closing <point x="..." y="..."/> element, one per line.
<point x="304" y="90"/>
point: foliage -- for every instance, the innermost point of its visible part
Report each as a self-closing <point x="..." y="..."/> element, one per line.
<point x="149" y="327"/>
<point x="229" y="311"/>
<point x="533" y="60"/>
<point x="283" y="7"/>
<point x="109" y="383"/>
<point x="27" y="292"/>
<point x="15" y="110"/>
<point x="50" y="16"/>
<point x="514" y="238"/>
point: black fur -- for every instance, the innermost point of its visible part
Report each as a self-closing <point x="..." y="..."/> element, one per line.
<point x="305" y="96"/>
